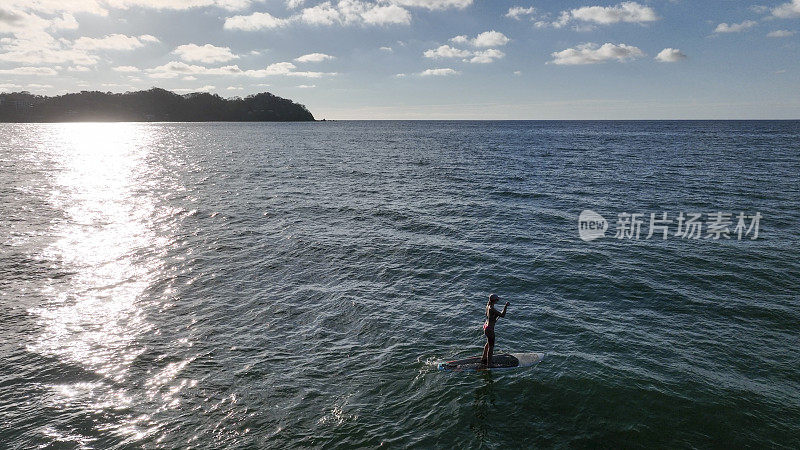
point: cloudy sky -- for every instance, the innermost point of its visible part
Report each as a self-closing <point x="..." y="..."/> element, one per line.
<point x="422" y="59"/>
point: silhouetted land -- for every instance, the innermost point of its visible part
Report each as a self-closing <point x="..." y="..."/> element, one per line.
<point x="154" y="105"/>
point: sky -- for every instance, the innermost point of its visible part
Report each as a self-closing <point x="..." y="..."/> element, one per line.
<point x="422" y="59"/>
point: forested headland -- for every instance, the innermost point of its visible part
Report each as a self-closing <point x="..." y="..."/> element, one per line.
<point x="153" y="105"/>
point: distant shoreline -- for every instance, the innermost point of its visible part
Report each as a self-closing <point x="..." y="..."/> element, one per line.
<point x="153" y="105"/>
<point x="410" y="120"/>
<point x="407" y="120"/>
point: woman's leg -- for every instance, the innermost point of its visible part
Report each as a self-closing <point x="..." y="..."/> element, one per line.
<point x="485" y="356"/>
<point x="490" y="348"/>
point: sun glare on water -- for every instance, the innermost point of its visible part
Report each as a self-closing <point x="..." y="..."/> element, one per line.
<point x="104" y="241"/>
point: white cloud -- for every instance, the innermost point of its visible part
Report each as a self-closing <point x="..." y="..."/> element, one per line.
<point x="175" y="69"/>
<point x="29" y="71"/>
<point x="281" y="68"/>
<point x="234" y="88"/>
<point x="563" y="19"/>
<point x="65" y="22"/>
<point x="624" y="12"/>
<point x="58" y="6"/>
<point x="38" y="47"/>
<point x="322" y="14"/>
<point x="111" y="42"/>
<point x="353" y="11"/>
<point x="391" y="14"/>
<point x="128" y="69"/>
<point x="787" y="10"/>
<point x="446" y="51"/>
<point x="345" y="12"/>
<point x="591" y="53"/>
<point x="313" y="57"/>
<point x="101" y="7"/>
<point x="43" y="55"/>
<point x="386" y="49"/>
<point x="8" y="87"/>
<point x="517" y="72"/>
<point x="486" y="56"/>
<point x="490" y="39"/>
<point x="439" y="72"/>
<point x="284" y="68"/>
<point x="204" y="53"/>
<point x="515" y="12"/>
<point x="32" y="42"/>
<point x="255" y="21"/>
<point x="306" y="86"/>
<point x="480" y="56"/>
<point x="735" y="27"/>
<point x="432" y="4"/>
<point x="230" y="5"/>
<point x="78" y="69"/>
<point x="399" y="75"/>
<point x="39" y="86"/>
<point x="670" y="55"/>
<point x="780" y="33"/>
<point x="486" y="39"/>
<point x="206" y="88"/>
<point x="292" y="4"/>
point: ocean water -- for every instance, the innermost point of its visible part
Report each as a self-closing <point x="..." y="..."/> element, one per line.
<point x="294" y="285"/>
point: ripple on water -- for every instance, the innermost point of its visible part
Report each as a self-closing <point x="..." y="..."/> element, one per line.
<point x="276" y="285"/>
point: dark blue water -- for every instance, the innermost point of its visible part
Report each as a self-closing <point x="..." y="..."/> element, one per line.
<point x="288" y="285"/>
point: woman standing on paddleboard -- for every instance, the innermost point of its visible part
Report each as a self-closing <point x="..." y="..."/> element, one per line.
<point x="488" y="328"/>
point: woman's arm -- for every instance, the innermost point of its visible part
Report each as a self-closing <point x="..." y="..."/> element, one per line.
<point x="503" y="314"/>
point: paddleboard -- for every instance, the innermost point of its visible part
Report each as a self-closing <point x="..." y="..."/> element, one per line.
<point x="500" y="361"/>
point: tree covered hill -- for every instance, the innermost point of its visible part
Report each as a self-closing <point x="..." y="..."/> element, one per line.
<point x="154" y="105"/>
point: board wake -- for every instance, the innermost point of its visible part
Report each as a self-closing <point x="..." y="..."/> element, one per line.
<point x="500" y="361"/>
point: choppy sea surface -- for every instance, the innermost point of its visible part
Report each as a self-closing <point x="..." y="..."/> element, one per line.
<point x="284" y="285"/>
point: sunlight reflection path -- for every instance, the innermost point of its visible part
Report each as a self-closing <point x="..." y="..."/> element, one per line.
<point x="106" y="243"/>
